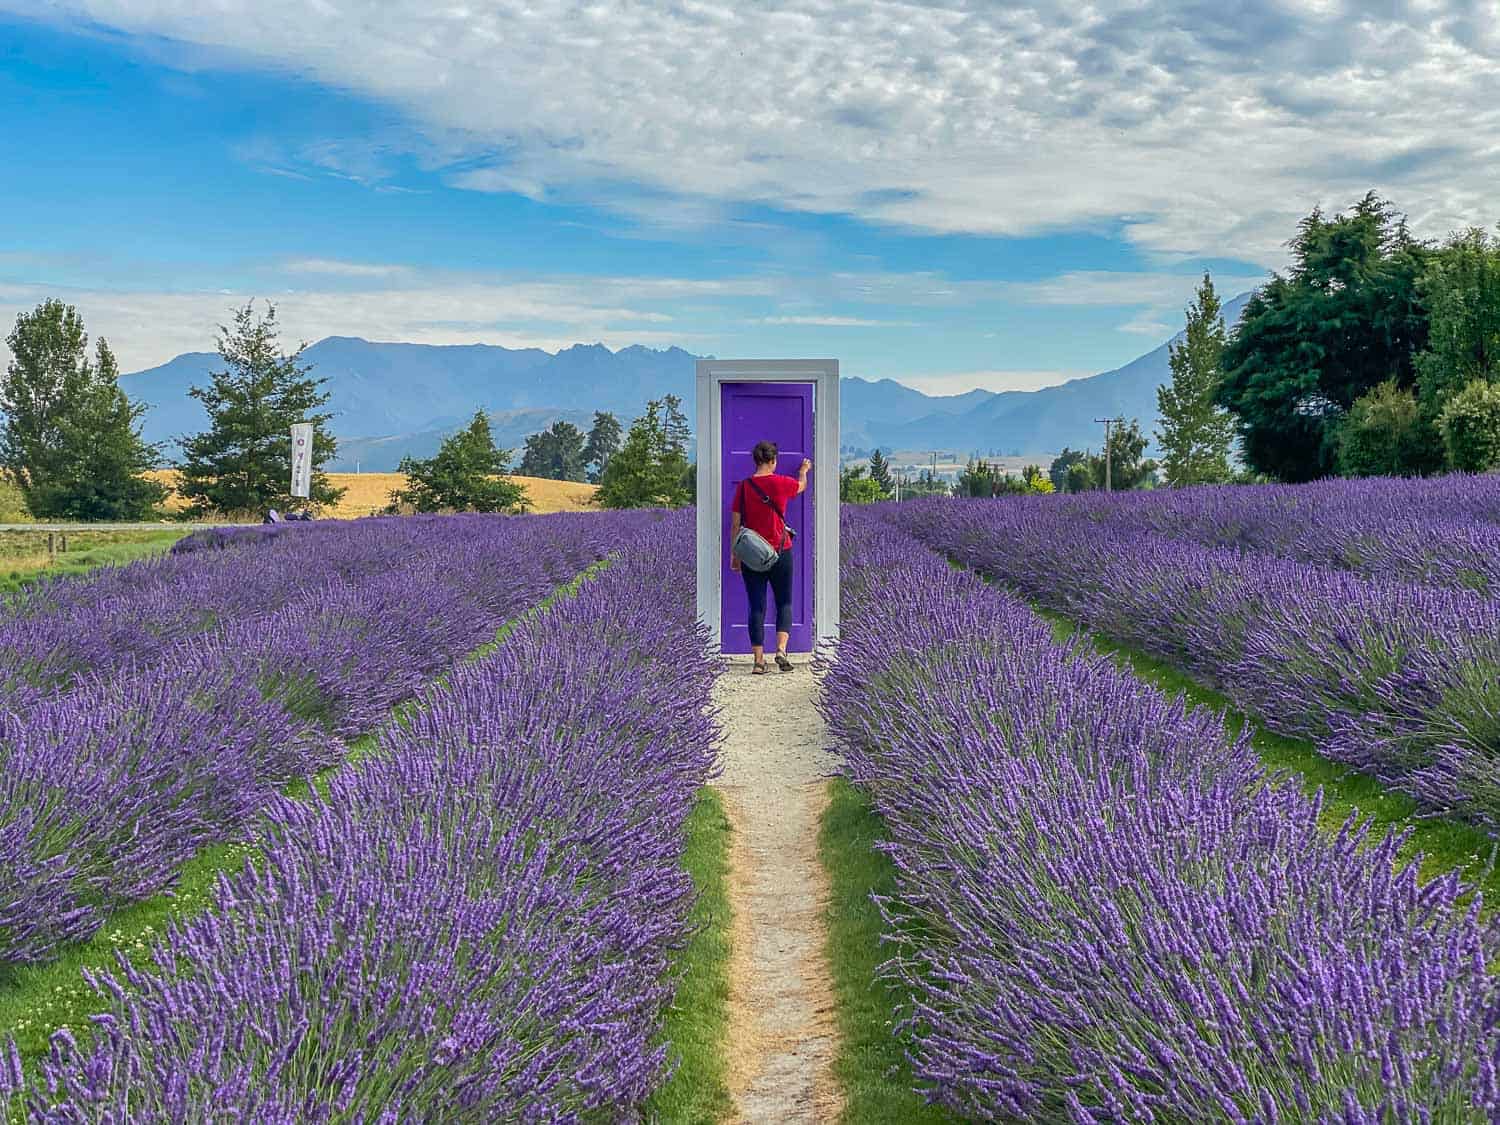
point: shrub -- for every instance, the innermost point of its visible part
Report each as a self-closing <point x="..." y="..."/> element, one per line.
<point x="1385" y="435"/>
<point x="1470" y="425"/>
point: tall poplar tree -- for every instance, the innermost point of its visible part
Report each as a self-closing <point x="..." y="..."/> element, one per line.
<point x="242" y="462"/>
<point x="1195" y="434"/>
<point x="71" y="438"/>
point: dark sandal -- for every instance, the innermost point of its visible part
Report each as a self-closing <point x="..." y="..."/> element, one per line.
<point x="782" y="662"/>
<point x="759" y="668"/>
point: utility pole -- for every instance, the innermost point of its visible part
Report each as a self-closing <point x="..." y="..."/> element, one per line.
<point x="1107" y="423"/>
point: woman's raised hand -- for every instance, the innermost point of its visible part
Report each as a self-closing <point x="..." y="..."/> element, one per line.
<point x="806" y="465"/>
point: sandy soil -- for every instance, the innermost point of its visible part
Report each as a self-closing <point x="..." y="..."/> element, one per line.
<point x="781" y="1022"/>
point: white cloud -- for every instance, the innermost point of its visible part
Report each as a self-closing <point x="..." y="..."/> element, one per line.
<point x="958" y="382"/>
<point x="1148" y="323"/>
<point x="1103" y="287"/>
<point x="333" y="268"/>
<point x="147" y="328"/>
<point x="1204" y="129"/>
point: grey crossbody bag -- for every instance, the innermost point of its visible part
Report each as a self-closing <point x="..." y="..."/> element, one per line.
<point x="750" y="547"/>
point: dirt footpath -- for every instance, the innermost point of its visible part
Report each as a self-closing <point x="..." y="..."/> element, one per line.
<point x="781" y="1024"/>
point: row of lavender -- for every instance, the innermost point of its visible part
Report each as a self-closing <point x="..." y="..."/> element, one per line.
<point x="1105" y="913"/>
<point x="120" y="617"/>
<point x="107" y="786"/>
<point x="1398" y="679"/>
<point x="476" y="925"/>
<point x="1441" y="531"/>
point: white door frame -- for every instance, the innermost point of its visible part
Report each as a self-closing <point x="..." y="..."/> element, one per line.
<point x="713" y="534"/>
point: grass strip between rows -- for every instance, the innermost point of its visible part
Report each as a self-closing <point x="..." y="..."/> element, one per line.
<point x="1444" y="843"/>
<point x="870" y="1066"/>
<point x="697" y="1023"/>
<point x="38" y="1000"/>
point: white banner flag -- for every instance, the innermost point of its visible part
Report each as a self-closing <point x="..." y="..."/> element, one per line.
<point x="302" y="438"/>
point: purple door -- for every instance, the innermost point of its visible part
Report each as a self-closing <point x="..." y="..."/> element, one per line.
<point x="783" y="413"/>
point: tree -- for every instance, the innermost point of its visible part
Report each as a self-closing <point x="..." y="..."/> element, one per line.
<point x="856" y="488"/>
<point x="1386" y="435"/>
<point x="650" y="470"/>
<point x="880" y="473"/>
<point x="977" y="479"/>
<point x="1081" y="475"/>
<point x="1036" y="482"/>
<point x="1061" y="469"/>
<point x="466" y="475"/>
<point x="1461" y="289"/>
<point x="675" y="425"/>
<point x="71" y="438"/>
<point x="1129" y="468"/>
<point x="602" y="444"/>
<point x="1470" y="425"/>
<point x="1346" y="317"/>
<point x="242" y="462"/>
<point x="555" y="454"/>
<point x="1195" y="433"/>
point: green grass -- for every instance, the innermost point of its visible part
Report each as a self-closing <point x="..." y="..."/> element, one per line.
<point x="871" y="1067"/>
<point x="37" y="1000"/>
<point x="1445" y="844"/>
<point x="24" y="559"/>
<point x="697" y="1023"/>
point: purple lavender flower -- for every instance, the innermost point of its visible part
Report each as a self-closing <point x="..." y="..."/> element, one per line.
<point x="1105" y="909"/>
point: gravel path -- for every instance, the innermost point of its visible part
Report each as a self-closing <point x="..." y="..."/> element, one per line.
<point x="781" y="1024"/>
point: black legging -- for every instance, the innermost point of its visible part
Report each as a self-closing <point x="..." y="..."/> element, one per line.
<point x="780" y="579"/>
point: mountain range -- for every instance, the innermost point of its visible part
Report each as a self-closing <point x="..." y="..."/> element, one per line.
<point x="391" y="400"/>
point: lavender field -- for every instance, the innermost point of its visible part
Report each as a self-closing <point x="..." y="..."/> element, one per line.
<point x="1355" y="614"/>
<point x="1104" y="909"/>
<point x="466" y="896"/>
<point x="472" y="921"/>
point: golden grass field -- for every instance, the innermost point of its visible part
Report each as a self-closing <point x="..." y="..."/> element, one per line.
<point x="371" y="492"/>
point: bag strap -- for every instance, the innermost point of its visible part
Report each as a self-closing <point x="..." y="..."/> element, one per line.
<point x="761" y="492"/>
<point x="775" y="507"/>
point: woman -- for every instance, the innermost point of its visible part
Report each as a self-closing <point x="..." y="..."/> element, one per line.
<point x="760" y="504"/>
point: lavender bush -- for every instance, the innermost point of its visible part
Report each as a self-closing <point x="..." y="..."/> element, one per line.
<point x="1106" y="912"/>
<point x="1399" y="679"/>
<point x="474" y="926"/>
<point x="121" y="617"/>
<point x="106" y="788"/>
<point x="1442" y="531"/>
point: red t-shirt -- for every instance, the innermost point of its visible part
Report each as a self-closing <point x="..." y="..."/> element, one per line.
<point x="759" y="516"/>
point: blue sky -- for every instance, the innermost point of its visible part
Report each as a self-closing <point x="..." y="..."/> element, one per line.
<point x="953" y="196"/>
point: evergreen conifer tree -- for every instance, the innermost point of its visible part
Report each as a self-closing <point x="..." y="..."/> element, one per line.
<point x="651" y="468"/>
<point x="466" y="475"/>
<point x="242" y="462"/>
<point x="603" y="442"/>
<point x="880" y="473"/>
<point x="557" y="453"/>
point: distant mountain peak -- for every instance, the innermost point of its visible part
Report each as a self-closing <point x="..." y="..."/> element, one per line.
<point x="390" y="399"/>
